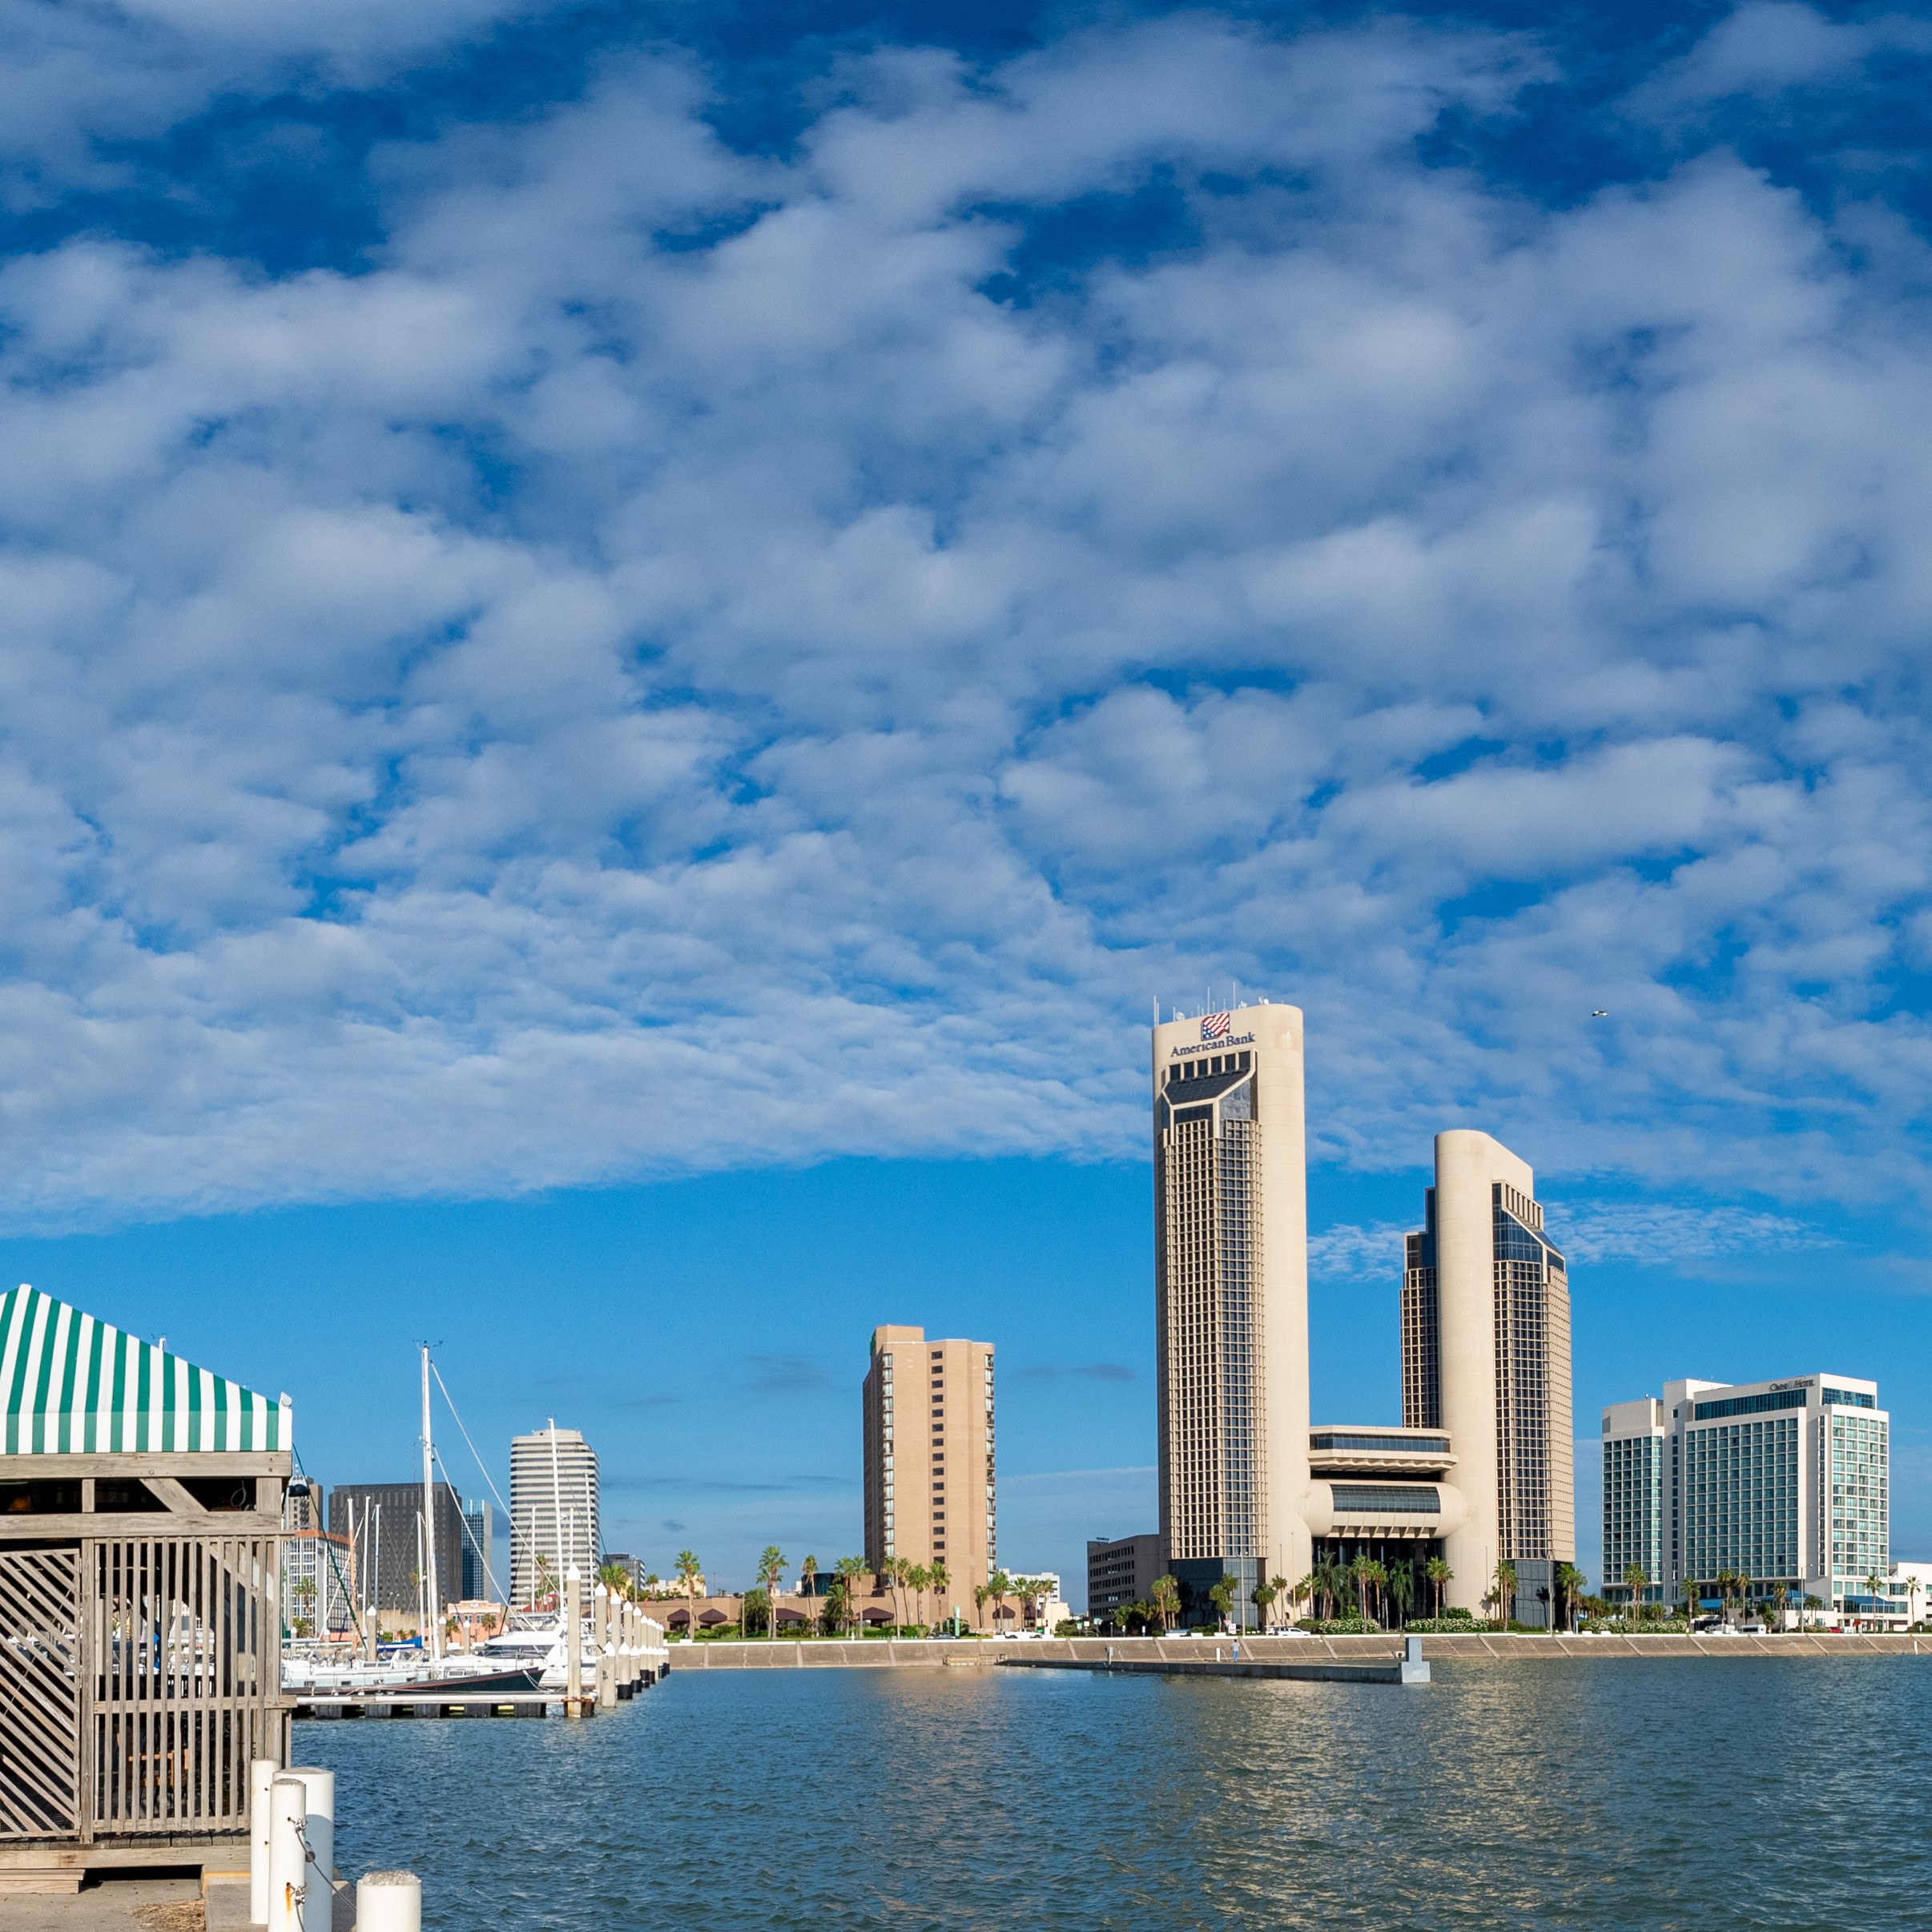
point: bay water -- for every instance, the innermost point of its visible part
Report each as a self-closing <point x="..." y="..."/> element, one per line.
<point x="1756" y="1792"/>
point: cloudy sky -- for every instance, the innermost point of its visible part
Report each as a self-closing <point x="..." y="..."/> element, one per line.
<point x="636" y="638"/>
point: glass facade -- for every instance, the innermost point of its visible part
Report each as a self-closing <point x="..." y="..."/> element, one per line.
<point x="1208" y="1260"/>
<point x="1857" y="1486"/>
<point x="1633" y="1509"/>
<point x="1741" y="1501"/>
<point x="1532" y="1333"/>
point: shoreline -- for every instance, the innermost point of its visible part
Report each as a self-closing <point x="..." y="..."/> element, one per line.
<point x="875" y="1653"/>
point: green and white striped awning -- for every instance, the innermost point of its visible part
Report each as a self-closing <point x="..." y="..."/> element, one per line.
<point x="74" y="1386"/>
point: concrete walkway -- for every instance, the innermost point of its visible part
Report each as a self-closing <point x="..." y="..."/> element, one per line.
<point x="145" y="1905"/>
<point x="877" y="1654"/>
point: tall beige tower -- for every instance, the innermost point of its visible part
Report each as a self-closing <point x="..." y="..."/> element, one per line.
<point x="1486" y="1356"/>
<point x="1231" y="1300"/>
<point x="929" y="1487"/>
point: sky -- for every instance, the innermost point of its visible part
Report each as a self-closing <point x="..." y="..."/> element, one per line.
<point x="633" y="640"/>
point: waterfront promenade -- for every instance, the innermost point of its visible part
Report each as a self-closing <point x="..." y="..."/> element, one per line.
<point x="967" y="1653"/>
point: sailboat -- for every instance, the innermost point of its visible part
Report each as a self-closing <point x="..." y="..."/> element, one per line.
<point x="515" y="1659"/>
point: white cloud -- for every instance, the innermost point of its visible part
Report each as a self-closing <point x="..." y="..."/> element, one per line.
<point x="673" y="665"/>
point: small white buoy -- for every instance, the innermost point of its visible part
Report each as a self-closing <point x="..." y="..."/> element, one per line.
<point x="389" y="1902"/>
<point x="287" y="1855"/>
<point x="262" y="1775"/>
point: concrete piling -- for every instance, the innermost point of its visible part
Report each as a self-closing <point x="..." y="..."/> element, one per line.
<point x="320" y="1831"/>
<point x="573" y="1645"/>
<point x="262" y="1775"/>
<point x="389" y="1902"/>
<point x="288" y="1856"/>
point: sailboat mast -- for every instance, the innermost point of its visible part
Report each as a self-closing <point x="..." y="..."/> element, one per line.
<point x="434" y="1607"/>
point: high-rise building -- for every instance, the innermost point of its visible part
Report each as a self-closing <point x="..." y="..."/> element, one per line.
<point x="382" y="1523"/>
<point x="1486" y="1357"/>
<point x="479" y="1579"/>
<point x="1786" y="1483"/>
<point x="1231" y="1300"/>
<point x="1121" y="1570"/>
<point x="553" y="1513"/>
<point x="1634" y="1452"/>
<point x="930" y="1494"/>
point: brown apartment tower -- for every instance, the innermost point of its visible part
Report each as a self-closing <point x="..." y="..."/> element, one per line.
<point x="929" y="1458"/>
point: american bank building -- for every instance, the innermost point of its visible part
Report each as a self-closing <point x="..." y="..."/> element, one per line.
<point x="1251" y="1487"/>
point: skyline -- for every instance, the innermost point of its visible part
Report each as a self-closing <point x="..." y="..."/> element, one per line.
<point x="636" y="638"/>
<point x="1077" y="1428"/>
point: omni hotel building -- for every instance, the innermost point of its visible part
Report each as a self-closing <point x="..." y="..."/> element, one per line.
<point x="1250" y="1487"/>
<point x="1786" y="1483"/>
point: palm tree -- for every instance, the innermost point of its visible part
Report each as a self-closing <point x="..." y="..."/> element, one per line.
<point x="980" y="1592"/>
<point x="770" y="1568"/>
<point x="1780" y="1597"/>
<point x="1304" y="1591"/>
<point x="1506" y="1591"/>
<point x="1377" y="1579"/>
<point x="1358" y="1575"/>
<point x="1264" y="1595"/>
<point x="849" y="1570"/>
<point x="1278" y="1587"/>
<point x="1002" y="1589"/>
<point x="614" y="1578"/>
<point x="1221" y="1595"/>
<point x="1402" y="1587"/>
<point x="1440" y="1575"/>
<point x="1636" y="1581"/>
<point x="1569" y="1581"/>
<point x="1165" y="1599"/>
<point x="1810" y="1604"/>
<point x="922" y="1584"/>
<point x="1875" y="1585"/>
<point x="940" y="1578"/>
<point x="808" y="1575"/>
<point x="693" y="1579"/>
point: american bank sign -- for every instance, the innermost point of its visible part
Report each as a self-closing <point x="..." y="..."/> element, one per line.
<point x="1220" y="1039"/>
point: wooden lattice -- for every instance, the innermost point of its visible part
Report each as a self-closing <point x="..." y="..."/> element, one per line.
<point x="184" y="1642"/>
<point x="40" y="1670"/>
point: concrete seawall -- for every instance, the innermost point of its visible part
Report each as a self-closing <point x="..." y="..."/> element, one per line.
<point x="967" y="1654"/>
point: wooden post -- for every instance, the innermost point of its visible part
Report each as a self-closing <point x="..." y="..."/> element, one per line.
<point x="574" y="1646"/>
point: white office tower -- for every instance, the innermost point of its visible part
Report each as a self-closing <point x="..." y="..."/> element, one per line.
<point x="553" y="1513"/>
<point x="1635" y="1450"/>
<point x="1486" y="1357"/>
<point x="1785" y="1483"/>
<point x="1231" y="1300"/>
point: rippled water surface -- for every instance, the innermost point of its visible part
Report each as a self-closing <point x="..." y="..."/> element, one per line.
<point x="1759" y="1792"/>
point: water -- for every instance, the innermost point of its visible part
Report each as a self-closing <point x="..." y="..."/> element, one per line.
<point x="1749" y="1793"/>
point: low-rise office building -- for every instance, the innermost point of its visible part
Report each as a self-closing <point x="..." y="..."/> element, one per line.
<point x="1786" y="1483"/>
<point x="1121" y="1570"/>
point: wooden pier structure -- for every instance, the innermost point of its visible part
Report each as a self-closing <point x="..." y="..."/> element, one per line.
<point x="140" y="1622"/>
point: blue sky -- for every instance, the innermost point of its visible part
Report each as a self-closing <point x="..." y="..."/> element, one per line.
<point x="635" y="637"/>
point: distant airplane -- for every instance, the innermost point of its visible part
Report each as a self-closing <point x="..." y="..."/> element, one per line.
<point x="1599" y="1012"/>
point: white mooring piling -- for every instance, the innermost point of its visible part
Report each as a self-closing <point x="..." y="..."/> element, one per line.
<point x="262" y="1775"/>
<point x="321" y="1785"/>
<point x="287" y="1855"/>
<point x="389" y="1902"/>
<point x="573" y="1645"/>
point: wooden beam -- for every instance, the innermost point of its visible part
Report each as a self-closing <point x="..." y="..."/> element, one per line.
<point x="56" y="1468"/>
<point x="178" y="1501"/>
<point x="16" y="1530"/>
